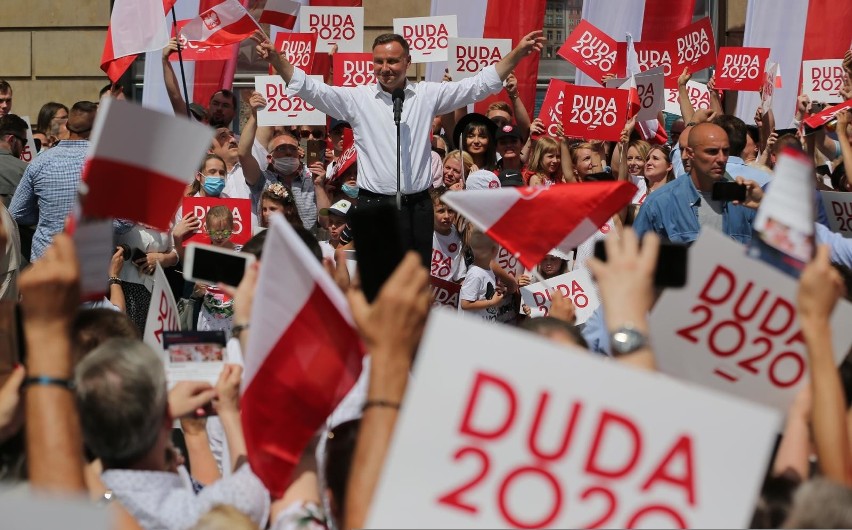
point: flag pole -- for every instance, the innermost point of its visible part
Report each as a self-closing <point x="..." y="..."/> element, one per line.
<point x="180" y="61"/>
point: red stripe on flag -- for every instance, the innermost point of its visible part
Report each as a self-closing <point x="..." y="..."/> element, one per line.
<point x="211" y="76"/>
<point x="820" y="41"/>
<point x="117" y="189"/>
<point x="335" y="3"/>
<point x="308" y="372"/>
<point x="282" y="20"/>
<point x="664" y="17"/>
<point x="115" y="68"/>
<point x="505" y="20"/>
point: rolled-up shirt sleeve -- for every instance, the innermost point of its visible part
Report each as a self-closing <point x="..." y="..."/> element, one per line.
<point x="334" y="101"/>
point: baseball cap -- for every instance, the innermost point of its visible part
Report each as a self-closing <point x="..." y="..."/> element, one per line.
<point x="340" y="208"/>
<point x="482" y="180"/>
<point x="511" y="178"/>
<point x="508" y="131"/>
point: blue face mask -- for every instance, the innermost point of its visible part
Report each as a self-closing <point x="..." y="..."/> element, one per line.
<point x="213" y="186"/>
<point x="350" y="191"/>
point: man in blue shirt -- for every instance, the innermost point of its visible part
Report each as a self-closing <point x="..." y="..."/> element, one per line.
<point x="679" y="210"/>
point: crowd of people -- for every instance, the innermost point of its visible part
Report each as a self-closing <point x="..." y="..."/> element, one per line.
<point x="88" y="408"/>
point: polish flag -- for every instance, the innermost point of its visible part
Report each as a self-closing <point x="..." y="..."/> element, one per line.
<point x="225" y="23"/>
<point x="304" y="355"/>
<point x="495" y="19"/>
<point x="140" y="162"/>
<point x="796" y="31"/>
<point x="522" y="219"/>
<point x="281" y="13"/>
<point x="650" y="130"/>
<point x="135" y="26"/>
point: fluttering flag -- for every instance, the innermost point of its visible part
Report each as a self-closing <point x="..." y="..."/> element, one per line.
<point x="135" y="26"/>
<point x="281" y="13"/>
<point x="225" y="23"/>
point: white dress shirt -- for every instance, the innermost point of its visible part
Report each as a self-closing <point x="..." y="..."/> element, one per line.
<point x="369" y="110"/>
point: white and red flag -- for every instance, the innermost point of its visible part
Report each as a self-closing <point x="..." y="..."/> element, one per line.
<point x="225" y="23"/>
<point x="304" y="355"/>
<point x="281" y="13"/>
<point x="135" y="26"/>
<point x="521" y="219"/>
<point x="140" y="162"/>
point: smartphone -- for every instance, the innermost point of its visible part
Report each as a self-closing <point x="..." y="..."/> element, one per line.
<point x="817" y="107"/>
<point x="378" y="245"/>
<point x="728" y="191"/>
<point x="315" y="151"/>
<point x="137" y="254"/>
<point x="671" y="263"/>
<point x="209" y="264"/>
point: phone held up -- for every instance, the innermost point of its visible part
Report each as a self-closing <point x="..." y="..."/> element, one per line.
<point x="671" y="263"/>
<point x="209" y="264"/>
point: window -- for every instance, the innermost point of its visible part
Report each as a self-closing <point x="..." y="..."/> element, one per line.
<point x="559" y="36"/>
<point x="548" y="20"/>
<point x="549" y="35"/>
<point x="559" y="19"/>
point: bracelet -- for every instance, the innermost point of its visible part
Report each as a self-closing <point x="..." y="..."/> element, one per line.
<point x="379" y="403"/>
<point x="114" y="280"/>
<point x="47" y="380"/>
<point x="238" y="329"/>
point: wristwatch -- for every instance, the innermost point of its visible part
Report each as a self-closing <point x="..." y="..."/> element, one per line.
<point x="627" y="339"/>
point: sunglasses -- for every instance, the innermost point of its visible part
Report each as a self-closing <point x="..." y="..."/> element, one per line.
<point x="218" y="235"/>
<point x="316" y="133"/>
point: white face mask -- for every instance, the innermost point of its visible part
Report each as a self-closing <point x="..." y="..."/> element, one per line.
<point x="286" y="164"/>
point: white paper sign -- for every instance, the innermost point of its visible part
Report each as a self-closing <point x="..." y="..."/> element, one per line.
<point x="30" y="151"/>
<point x="734" y="328"/>
<point x="576" y="285"/>
<point x="343" y="26"/>
<point x="281" y="108"/>
<point x="838" y="208"/>
<point x="468" y="56"/>
<point x="768" y="89"/>
<point x="649" y="88"/>
<point x="162" y="313"/>
<point x="698" y="95"/>
<point x="428" y="37"/>
<point x="822" y="80"/>
<point x="504" y="429"/>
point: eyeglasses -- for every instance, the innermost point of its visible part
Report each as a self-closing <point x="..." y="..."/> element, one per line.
<point x="316" y="133"/>
<point x="218" y="235"/>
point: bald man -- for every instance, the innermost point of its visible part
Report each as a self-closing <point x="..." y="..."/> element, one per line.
<point x="679" y="210"/>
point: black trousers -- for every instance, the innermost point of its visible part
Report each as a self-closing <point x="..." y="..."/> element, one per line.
<point x="416" y="220"/>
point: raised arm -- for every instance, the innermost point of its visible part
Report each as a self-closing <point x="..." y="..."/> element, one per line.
<point x="267" y="52"/>
<point x="251" y="169"/>
<point x="522" y="117"/>
<point x="686" y="108"/>
<point x="532" y="42"/>
<point x="715" y="96"/>
<point x="227" y="405"/>
<point x="170" y="79"/>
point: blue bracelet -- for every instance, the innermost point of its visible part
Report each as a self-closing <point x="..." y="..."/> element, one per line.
<point x="47" y="380"/>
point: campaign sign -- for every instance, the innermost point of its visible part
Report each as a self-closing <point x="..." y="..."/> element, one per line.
<point x="29" y="151"/>
<point x="768" y="88"/>
<point x="445" y="293"/>
<point x="576" y="286"/>
<point x="240" y="208"/>
<point x="838" y="207"/>
<point x="699" y="96"/>
<point x="733" y="327"/>
<point x="343" y="26"/>
<point x="695" y="47"/>
<point x="354" y="69"/>
<point x="428" y="37"/>
<point x="592" y="51"/>
<point x="822" y="80"/>
<point x="198" y="51"/>
<point x="558" y="438"/>
<point x="649" y="90"/>
<point x="551" y="108"/>
<point x="509" y="263"/>
<point x="297" y="48"/>
<point x="466" y="57"/>
<point x="739" y="68"/>
<point x="594" y="113"/>
<point x="827" y="114"/>
<point x="652" y="54"/>
<point x="162" y="312"/>
<point x="284" y="109"/>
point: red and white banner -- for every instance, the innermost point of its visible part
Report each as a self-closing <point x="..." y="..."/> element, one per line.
<point x="197" y="51"/>
<point x="741" y="69"/>
<point x="733" y="327"/>
<point x="827" y="114"/>
<point x="838" y="206"/>
<point x="495" y="19"/>
<point x="468" y="56"/>
<point x="303" y="357"/>
<point x="281" y="13"/>
<point x="298" y="48"/>
<point x="694" y="47"/>
<point x="139" y="162"/>
<point x="353" y="69"/>
<point x="240" y="209"/>
<point x="594" y="113"/>
<point x="649" y="92"/>
<point x="225" y="23"/>
<point x="135" y="26"/>
<point x="822" y="80"/>
<point x="343" y="26"/>
<point x="592" y="51"/>
<point x="576" y="285"/>
<point x="795" y="31"/>
<point x="427" y="37"/>
<point x="526" y="433"/>
<point x="553" y="106"/>
<point x="281" y="108"/>
<point x="699" y="96"/>
<point x="445" y="293"/>
<point x="29" y="151"/>
<point x="506" y="214"/>
<point x="162" y="313"/>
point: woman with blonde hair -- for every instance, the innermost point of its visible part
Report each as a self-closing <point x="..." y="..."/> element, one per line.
<point x="457" y="166"/>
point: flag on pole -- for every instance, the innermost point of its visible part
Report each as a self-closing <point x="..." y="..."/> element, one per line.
<point x="304" y="355"/>
<point x="135" y="26"/>
<point x="140" y="162"/>
<point x="225" y="23"/>
<point x="521" y="219"/>
<point x="281" y="13"/>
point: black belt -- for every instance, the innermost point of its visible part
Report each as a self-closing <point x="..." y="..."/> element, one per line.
<point x="411" y="198"/>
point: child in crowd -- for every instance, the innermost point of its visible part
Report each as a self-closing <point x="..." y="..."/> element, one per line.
<point x="554" y="264"/>
<point x="338" y="227"/>
<point x="217" y="308"/>
<point x="478" y="291"/>
<point x="447" y="256"/>
<point x="277" y="198"/>
<point x="545" y="167"/>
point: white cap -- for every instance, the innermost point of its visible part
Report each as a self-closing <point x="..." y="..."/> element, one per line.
<point x="482" y="180"/>
<point x="340" y="208"/>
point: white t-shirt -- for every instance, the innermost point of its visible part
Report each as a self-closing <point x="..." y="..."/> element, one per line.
<point x="475" y="287"/>
<point x="639" y="197"/>
<point x="447" y="258"/>
<point x="236" y="187"/>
